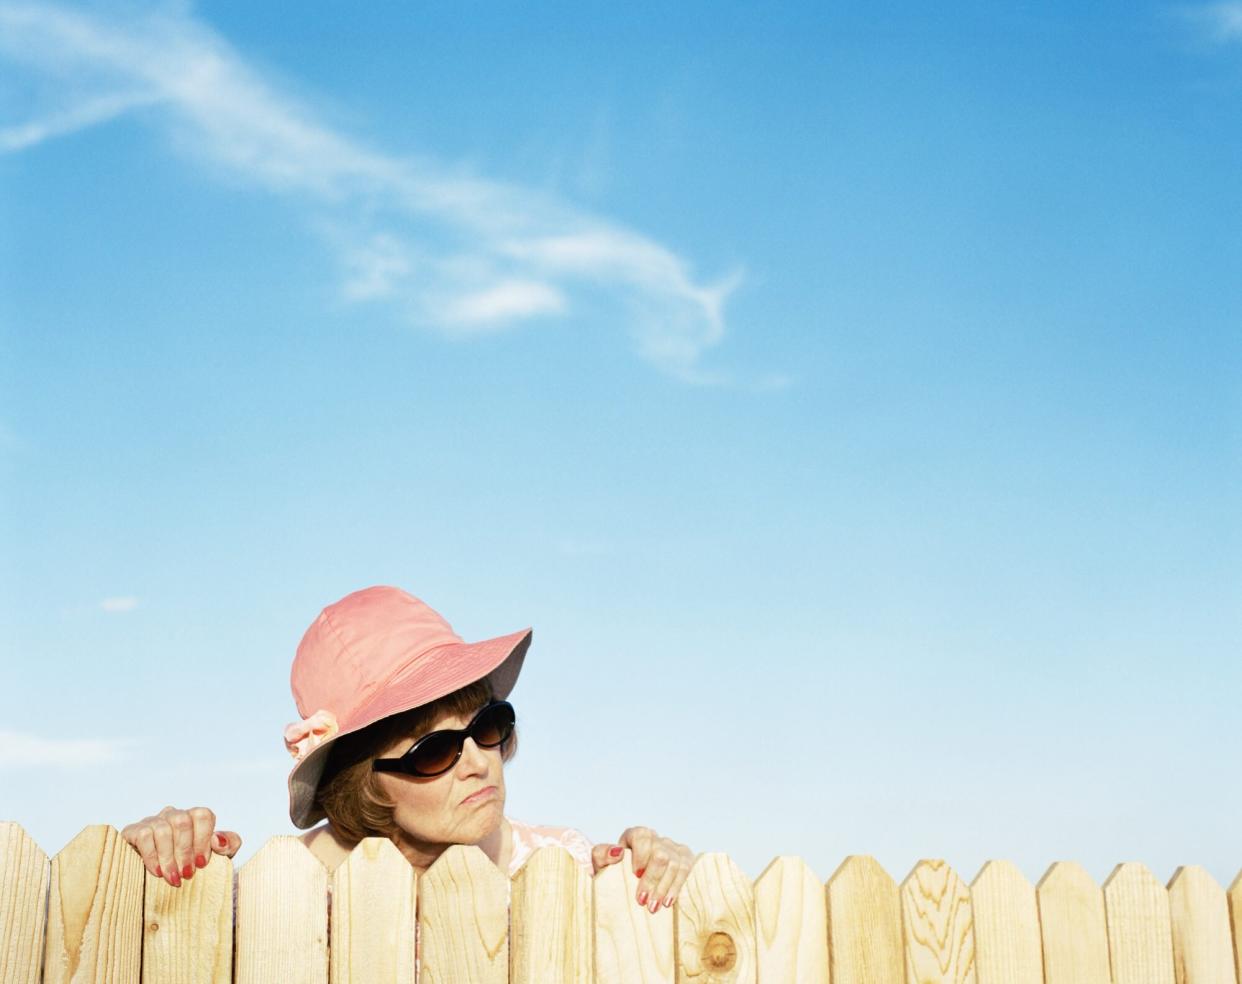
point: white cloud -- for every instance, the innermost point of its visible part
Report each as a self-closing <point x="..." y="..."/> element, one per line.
<point x="453" y="251"/>
<point x="20" y="750"/>
<point x="126" y="603"/>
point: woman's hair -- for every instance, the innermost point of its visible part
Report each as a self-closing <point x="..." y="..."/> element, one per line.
<point x="349" y="791"/>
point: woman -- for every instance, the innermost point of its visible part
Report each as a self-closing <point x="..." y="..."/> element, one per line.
<point x="404" y="734"/>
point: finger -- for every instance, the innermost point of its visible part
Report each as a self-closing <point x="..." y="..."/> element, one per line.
<point x="653" y="872"/>
<point x="183" y="842"/>
<point x="602" y="855"/>
<point x="143" y="841"/>
<point x="674" y="878"/>
<point x="226" y="842"/>
<point x="162" y="832"/>
<point x="203" y="824"/>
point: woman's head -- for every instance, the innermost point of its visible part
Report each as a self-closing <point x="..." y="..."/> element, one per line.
<point x="460" y="806"/>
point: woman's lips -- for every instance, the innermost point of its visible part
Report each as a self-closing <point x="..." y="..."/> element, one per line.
<point x="486" y="793"/>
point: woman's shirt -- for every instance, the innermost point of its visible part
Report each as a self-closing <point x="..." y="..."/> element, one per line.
<point x="528" y="838"/>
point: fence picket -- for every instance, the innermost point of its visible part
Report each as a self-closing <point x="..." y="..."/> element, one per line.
<point x="282" y="916"/>
<point x="632" y="946"/>
<point x="1072" y="928"/>
<point x="463" y="919"/>
<point x="188" y="931"/>
<point x="938" y="926"/>
<point x="1140" y="933"/>
<point x="373" y="908"/>
<point x="24" y="880"/>
<point x="1202" y="947"/>
<point x="1007" y="944"/>
<point x="1235" y="919"/>
<point x="550" y="935"/>
<point x="791" y="924"/>
<point x="714" y="924"/>
<point x="94" y="925"/>
<point x="864" y="924"/>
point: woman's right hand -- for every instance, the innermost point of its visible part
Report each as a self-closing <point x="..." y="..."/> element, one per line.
<point x="174" y="843"/>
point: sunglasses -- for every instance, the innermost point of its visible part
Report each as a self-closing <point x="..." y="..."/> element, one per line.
<point x="438" y="751"/>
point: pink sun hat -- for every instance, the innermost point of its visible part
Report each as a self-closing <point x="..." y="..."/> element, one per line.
<point x="375" y="653"/>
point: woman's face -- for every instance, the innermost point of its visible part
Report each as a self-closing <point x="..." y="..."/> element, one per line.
<point x="462" y="806"/>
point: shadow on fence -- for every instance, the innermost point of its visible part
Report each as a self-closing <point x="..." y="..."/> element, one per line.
<point x="92" y="914"/>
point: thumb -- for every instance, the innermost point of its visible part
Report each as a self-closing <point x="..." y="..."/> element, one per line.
<point x="225" y="842"/>
<point x="602" y="855"/>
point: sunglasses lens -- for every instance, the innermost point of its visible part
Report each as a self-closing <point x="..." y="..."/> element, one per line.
<point x="493" y="726"/>
<point x="436" y="754"/>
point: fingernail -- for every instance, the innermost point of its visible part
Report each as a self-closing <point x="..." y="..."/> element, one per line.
<point x="222" y="840"/>
<point x="614" y="852"/>
<point x="655" y="904"/>
<point x="187" y="872"/>
<point x="159" y="872"/>
<point x="639" y="872"/>
<point x="174" y="879"/>
<point x="668" y="901"/>
<point x="642" y="898"/>
<point x="200" y="861"/>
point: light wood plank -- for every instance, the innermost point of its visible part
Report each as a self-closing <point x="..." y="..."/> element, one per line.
<point x="1202" y="944"/>
<point x="1235" y="919"/>
<point x="1140" y="933"/>
<point x="188" y="931"/>
<point x="1007" y="945"/>
<point x="373" y="909"/>
<point x="864" y="924"/>
<point x="550" y="920"/>
<point x="714" y="924"/>
<point x="1073" y="931"/>
<point x="282" y="916"/>
<point x="463" y="919"/>
<point x="24" y="879"/>
<point x="632" y="946"/>
<point x="791" y="924"/>
<point x="94" y="923"/>
<point x="938" y="926"/>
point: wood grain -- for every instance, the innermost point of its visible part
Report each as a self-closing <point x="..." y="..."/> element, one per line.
<point x="1140" y="933"/>
<point x="864" y="924"/>
<point x="550" y="936"/>
<point x="937" y="924"/>
<point x="1235" y="921"/>
<point x="1073" y="931"/>
<point x="1007" y="943"/>
<point x="373" y="909"/>
<point x="1202" y="942"/>
<point x="282" y="916"/>
<point x="632" y="946"/>
<point x="94" y="921"/>
<point x="187" y="932"/>
<point x="463" y="919"/>
<point x="791" y="924"/>
<point x="714" y="924"/>
<point x="24" y="880"/>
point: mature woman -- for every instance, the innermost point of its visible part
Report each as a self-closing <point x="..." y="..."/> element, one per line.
<point x="404" y="734"/>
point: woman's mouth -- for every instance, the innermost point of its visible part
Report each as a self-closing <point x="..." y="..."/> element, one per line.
<point x="486" y="793"/>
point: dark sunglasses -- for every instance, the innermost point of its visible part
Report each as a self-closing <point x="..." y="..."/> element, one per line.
<point x="438" y="751"/>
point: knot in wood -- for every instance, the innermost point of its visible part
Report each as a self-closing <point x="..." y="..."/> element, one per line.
<point x="719" y="952"/>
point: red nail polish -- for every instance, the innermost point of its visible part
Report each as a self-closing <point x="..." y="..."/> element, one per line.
<point x="159" y="872"/>
<point x="668" y="901"/>
<point x="175" y="879"/>
<point x="200" y="861"/>
<point x="615" y="852"/>
<point x="639" y="872"/>
<point x="222" y="840"/>
<point x="187" y="872"/>
<point x="642" y="898"/>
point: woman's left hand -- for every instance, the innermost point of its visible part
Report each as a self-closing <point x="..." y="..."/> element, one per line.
<point x="661" y="865"/>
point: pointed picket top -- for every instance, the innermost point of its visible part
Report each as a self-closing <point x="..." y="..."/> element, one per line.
<point x="864" y="924"/>
<point x="372" y="923"/>
<point x="550" y="936"/>
<point x="1074" y="931"/>
<point x="1007" y="944"/>
<point x="1140" y="933"/>
<point x="282" y="915"/>
<point x="791" y="923"/>
<point x="94" y="927"/>
<point x="1235" y="920"/>
<point x="1202" y="943"/>
<point x="715" y="923"/>
<point x="937" y="924"/>
<point x="188" y="931"/>
<point x="24" y="879"/>
<point x="463" y="919"/>
<point x="632" y="945"/>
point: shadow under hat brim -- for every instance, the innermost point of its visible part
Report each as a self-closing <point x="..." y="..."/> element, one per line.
<point x="455" y="666"/>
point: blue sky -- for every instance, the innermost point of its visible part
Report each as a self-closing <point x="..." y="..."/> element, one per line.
<point x="852" y="402"/>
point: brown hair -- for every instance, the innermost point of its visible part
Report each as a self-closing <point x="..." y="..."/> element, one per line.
<point x="349" y="791"/>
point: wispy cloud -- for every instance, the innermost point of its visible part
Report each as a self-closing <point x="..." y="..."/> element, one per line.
<point x="1221" y="21"/>
<point x="125" y="603"/>
<point x="451" y="250"/>
<point x="20" y="750"/>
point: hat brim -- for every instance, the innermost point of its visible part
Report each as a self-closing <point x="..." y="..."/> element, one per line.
<point x="454" y="667"/>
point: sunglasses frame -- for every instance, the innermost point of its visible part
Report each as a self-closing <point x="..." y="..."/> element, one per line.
<point x="404" y="763"/>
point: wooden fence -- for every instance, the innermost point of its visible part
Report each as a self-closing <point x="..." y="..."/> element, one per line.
<point x="93" y="915"/>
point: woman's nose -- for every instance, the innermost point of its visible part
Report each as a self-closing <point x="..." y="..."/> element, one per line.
<point x="473" y="758"/>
